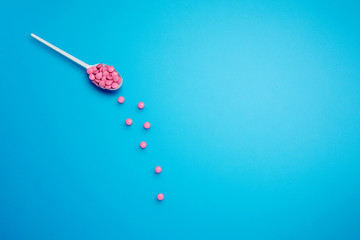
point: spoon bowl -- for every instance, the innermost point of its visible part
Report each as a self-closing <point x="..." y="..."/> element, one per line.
<point x="104" y="76"/>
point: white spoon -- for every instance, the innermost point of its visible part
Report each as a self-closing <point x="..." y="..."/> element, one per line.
<point x="78" y="61"/>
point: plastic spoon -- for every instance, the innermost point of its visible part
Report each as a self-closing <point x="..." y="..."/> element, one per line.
<point x="100" y="68"/>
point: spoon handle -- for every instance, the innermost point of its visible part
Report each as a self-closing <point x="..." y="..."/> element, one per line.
<point x="78" y="61"/>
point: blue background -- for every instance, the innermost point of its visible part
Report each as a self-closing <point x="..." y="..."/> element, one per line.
<point x="255" y="113"/>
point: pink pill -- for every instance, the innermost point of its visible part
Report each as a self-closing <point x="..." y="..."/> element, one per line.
<point x="99" y="65"/>
<point x="96" y="71"/>
<point x="128" y="121"/>
<point x="121" y="99"/>
<point x="115" y="78"/>
<point x="103" y="69"/>
<point x="110" y="68"/>
<point x="106" y="73"/>
<point x="97" y="80"/>
<point x="108" y="82"/>
<point x="147" y="125"/>
<point x="103" y="78"/>
<point x="160" y="197"/>
<point x="99" y="75"/>
<point x="114" y="85"/>
<point x="143" y="144"/>
<point x="92" y="77"/>
<point x="102" y="84"/>
<point x="158" y="169"/>
<point x="90" y="70"/>
<point x="109" y="77"/>
<point x="141" y="105"/>
<point x="114" y="73"/>
<point x="107" y="86"/>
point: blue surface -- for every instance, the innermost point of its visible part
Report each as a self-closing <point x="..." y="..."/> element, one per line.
<point x="255" y="113"/>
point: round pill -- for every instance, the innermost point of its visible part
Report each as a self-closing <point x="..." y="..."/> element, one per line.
<point x="110" y="69"/>
<point x="114" y="85"/>
<point x="114" y="73"/>
<point x="141" y="105"/>
<point x="99" y="75"/>
<point x="109" y="77"/>
<point x="121" y="99"/>
<point x="90" y="70"/>
<point x="108" y="82"/>
<point x="106" y="73"/>
<point x="91" y="77"/>
<point x="158" y="169"/>
<point x="143" y="144"/>
<point x="115" y="78"/>
<point x="129" y="122"/>
<point x="160" y="197"/>
<point x="107" y="86"/>
<point x="99" y="65"/>
<point x="103" y="69"/>
<point x="102" y="84"/>
<point x="147" y="125"/>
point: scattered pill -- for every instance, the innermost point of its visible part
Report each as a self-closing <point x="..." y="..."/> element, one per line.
<point x="158" y="169"/>
<point x="147" y="125"/>
<point x="141" y="105"/>
<point x="121" y="99"/>
<point x="160" y="196"/>
<point x="143" y="144"/>
<point x="128" y="121"/>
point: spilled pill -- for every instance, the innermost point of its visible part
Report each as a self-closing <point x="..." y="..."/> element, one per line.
<point x="158" y="169"/>
<point x="143" y="144"/>
<point x="141" y="105"/>
<point x="147" y="125"/>
<point x="121" y="99"/>
<point x="128" y="121"/>
<point x="160" y="196"/>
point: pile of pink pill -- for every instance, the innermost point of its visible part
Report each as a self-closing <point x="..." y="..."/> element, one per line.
<point x="105" y="76"/>
<point x="143" y="144"/>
